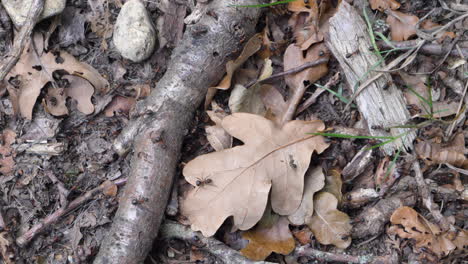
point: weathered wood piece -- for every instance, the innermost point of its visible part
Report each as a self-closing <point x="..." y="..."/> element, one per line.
<point x="381" y="103"/>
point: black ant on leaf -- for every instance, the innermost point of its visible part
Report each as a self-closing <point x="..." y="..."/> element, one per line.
<point x="202" y="182"/>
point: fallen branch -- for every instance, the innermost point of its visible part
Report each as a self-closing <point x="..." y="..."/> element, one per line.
<point x="25" y="238"/>
<point x="427" y="48"/>
<point x="20" y="41"/>
<point x="306" y="251"/>
<point x="161" y="122"/>
<point x="170" y="230"/>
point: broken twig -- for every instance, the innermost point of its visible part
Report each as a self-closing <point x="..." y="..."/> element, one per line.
<point x="20" y="41"/>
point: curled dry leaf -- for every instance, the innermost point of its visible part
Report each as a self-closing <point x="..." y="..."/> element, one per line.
<point x="329" y="225"/>
<point x="272" y="157"/>
<point x="251" y="47"/>
<point x="267" y="238"/>
<point x="407" y="223"/>
<point x="402" y="26"/>
<point x="333" y="183"/>
<point x="383" y="5"/>
<point x="34" y="73"/>
<point x="437" y="153"/>
<point x="273" y="101"/>
<point x="440" y="109"/>
<point x="216" y="135"/>
<point x="314" y="182"/>
<point x="80" y="90"/>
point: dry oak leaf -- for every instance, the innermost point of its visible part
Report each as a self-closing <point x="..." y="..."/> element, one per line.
<point x="334" y="183"/>
<point x="7" y="153"/>
<point x="407" y="223"/>
<point x="383" y="5"/>
<point x="314" y="182"/>
<point x="82" y="91"/>
<point x="34" y="73"/>
<point x="402" y="26"/>
<point x="272" y="157"/>
<point x="329" y="225"/>
<point x="263" y="240"/>
<point x="218" y="137"/>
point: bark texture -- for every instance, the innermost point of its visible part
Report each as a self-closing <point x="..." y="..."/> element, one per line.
<point x="380" y="103"/>
<point x="161" y="121"/>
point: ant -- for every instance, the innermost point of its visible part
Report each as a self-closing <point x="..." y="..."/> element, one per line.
<point x="203" y="182"/>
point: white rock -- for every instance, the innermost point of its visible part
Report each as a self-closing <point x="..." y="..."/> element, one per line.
<point x="134" y="34"/>
<point x="18" y="9"/>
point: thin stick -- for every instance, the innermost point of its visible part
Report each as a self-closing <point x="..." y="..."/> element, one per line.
<point x="53" y="218"/>
<point x="22" y="38"/>
<point x="427" y="48"/>
<point x="336" y="257"/>
<point x="290" y="71"/>
<point x="462" y="99"/>
<point x="425" y="194"/>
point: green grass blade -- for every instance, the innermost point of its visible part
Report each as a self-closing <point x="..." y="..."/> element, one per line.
<point x="336" y="135"/>
<point x="371" y="35"/>
<point x="421" y="98"/>
<point x="339" y="95"/>
<point x="265" y="5"/>
<point x="392" y="164"/>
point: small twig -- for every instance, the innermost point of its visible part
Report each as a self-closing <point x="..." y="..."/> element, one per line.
<point x="53" y="218"/>
<point x="290" y="71"/>
<point x="447" y="54"/>
<point x="427" y="48"/>
<point x="22" y="38"/>
<point x="170" y="229"/>
<point x="336" y="257"/>
<point x="426" y="196"/>
<point x="333" y="81"/>
<point x="63" y="191"/>
<point x="462" y="99"/>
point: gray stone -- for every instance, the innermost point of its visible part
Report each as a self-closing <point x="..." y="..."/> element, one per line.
<point x="18" y="9"/>
<point x="134" y="34"/>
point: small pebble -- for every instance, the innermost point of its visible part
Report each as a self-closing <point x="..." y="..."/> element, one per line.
<point x="134" y="34"/>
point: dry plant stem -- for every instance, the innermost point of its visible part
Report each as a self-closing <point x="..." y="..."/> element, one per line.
<point x="20" y="41"/>
<point x="462" y="99"/>
<point x="306" y="251"/>
<point x="161" y="122"/>
<point x="379" y="106"/>
<point x="290" y="71"/>
<point x="171" y="230"/>
<point x="427" y="48"/>
<point x="426" y="196"/>
<point x="53" y="218"/>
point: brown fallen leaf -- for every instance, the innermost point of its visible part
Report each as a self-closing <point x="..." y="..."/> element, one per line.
<point x="271" y="234"/>
<point x="383" y="5"/>
<point x="437" y="153"/>
<point x="440" y="109"/>
<point x="334" y="183"/>
<point x="314" y="182"/>
<point x="402" y="26"/>
<point x="34" y="73"/>
<point x="272" y="157"/>
<point x="273" y="101"/>
<point x="55" y="101"/>
<point x="329" y="225"/>
<point x="407" y="223"/>
<point x="304" y="236"/>
<point x="80" y="90"/>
